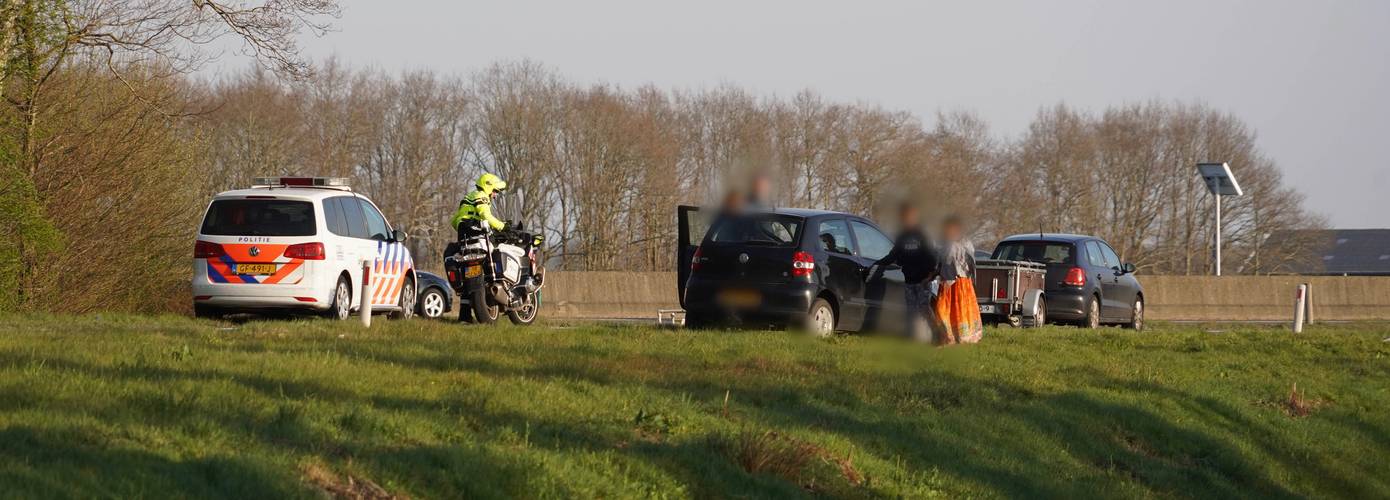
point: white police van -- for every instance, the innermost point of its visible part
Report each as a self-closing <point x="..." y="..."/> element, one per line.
<point x="299" y="243"/>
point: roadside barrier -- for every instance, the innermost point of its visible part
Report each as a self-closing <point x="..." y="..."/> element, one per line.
<point x="1167" y="298"/>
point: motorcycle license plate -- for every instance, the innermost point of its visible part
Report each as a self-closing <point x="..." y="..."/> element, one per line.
<point x="987" y="309"/>
<point x="740" y="298"/>
<point x="260" y="269"/>
<point x="473" y="271"/>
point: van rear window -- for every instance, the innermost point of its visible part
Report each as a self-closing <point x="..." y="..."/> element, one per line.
<point x="766" y="229"/>
<point x="1036" y="251"/>
<point x="259" y="218"/>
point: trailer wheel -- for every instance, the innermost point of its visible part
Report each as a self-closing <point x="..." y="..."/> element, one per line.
<point x="1039" y="316"/>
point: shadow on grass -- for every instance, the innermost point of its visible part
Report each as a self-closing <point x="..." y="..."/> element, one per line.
<point x="71" y="463"/>
<point x="999" y="436"/>
<point x="996" y="437"/>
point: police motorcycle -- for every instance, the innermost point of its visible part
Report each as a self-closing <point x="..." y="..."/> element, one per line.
<point x="496" y="272"/>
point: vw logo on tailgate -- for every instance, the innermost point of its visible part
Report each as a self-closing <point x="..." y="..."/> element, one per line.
<point x="743" y="258"/>
<point x="254" y="251"/>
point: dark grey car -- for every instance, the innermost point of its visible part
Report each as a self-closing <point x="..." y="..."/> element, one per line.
<point x="436" y="297"/>
<point x="1086" y="282"/>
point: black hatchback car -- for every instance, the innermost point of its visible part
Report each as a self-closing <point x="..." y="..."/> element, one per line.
<point x="1086" y="282"/>
<point x="787" y="266"/>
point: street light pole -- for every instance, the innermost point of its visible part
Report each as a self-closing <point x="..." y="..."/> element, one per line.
<point x="1218" y="233"/>
<point x="1221" y="183"/>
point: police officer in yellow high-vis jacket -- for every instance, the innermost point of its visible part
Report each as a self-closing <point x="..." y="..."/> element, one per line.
<point x="476" y="207"/>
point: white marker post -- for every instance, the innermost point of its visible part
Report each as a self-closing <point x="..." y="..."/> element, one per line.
<point x="1299" y="307"/>
<point x="1308" y="301"/>
<point x="366" y="305"/>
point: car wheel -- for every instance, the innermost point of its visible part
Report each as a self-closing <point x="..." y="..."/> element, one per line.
<point x="527" y="313"/>
<point x="432" y="303"/>
<point x="406" y="301"/>
<point x="341" y="308"/>
<point x="1039" y="317"/>
<point x="698" y="321"/>
<point x="1136" y="319"/>
<point x="1092" y="319"/>
<point x="483" y="313"/>
<point x="820" y="320"/>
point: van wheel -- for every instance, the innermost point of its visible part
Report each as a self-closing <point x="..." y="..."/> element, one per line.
<point x="820" y="320"/>
<point x="1092" y="319"/>
<point x="1136" y="320"/>
<point x="341" y="308"/>
<point x="406" y="301"/>
<point x="203" y="311"/>
<point x="483" y="313"/>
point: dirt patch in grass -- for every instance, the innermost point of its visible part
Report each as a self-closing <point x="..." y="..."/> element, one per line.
<point x="1296" y="405"/>
<point x="801" y="462"/>
<point x="346" y="487"/>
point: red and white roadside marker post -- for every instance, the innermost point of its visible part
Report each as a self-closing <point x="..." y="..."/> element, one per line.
<point x="366" y="305"/>
<point x="1299" y="307"/>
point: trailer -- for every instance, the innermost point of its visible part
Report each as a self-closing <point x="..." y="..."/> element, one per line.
<point x="1011" y="291"/>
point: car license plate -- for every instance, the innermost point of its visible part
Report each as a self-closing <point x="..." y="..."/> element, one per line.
<point x="987" y="309"/>
<point x="255" y="269"/>
<point x="741" y="298"/>
<point x="472" y="271"/>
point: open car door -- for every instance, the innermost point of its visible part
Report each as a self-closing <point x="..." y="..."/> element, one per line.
<point x="690" y="231"/>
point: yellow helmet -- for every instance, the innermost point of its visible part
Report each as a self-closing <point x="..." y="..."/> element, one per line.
<point x="490" y="183"/>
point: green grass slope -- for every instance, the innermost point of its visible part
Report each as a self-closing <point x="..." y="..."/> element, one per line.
<point x="128" y="406"/>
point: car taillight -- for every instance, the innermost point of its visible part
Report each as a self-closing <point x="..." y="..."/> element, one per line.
<point x="306" y="251"/>
<point x="207" y="250"/>
<point x="802" y="264"/>
<point x="1075" y="277"/>
<point x="695" y="260"/>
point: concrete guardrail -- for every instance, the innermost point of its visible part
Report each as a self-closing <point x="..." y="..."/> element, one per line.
<point x="1236" y="298"/>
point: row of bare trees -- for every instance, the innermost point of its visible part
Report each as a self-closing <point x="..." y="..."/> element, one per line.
<point x="109" y="149"/>
<point x="601" y="168"/>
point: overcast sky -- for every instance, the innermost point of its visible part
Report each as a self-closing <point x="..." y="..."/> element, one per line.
<point x="1312" y="77"/>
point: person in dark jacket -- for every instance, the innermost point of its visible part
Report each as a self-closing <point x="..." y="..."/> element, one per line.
<point x="914" y="253"/>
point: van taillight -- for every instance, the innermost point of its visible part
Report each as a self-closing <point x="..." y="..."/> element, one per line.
<point x="306" y="251"/>
<point x="695" y="260"/>
<point x="802" y="264"/>
<point x="1075" y="277"/>
<point x="207" y="250"/>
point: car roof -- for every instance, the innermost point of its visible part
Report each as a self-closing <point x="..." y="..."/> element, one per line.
<point x="802" y="212"/>
<point x="307" y="193"/>
<point x="1049" y="237"/>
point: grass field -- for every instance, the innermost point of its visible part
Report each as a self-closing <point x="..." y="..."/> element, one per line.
<point x="130" y="406"/>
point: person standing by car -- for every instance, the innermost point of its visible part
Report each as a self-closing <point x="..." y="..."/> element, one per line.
<point x="913" y="251"/>
<point x="956" y="304"/>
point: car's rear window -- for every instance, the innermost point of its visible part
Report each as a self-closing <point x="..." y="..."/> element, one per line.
<point x="259" y="218"/>
<point x="1045" y="252"/>
<point x="762" y="229"/>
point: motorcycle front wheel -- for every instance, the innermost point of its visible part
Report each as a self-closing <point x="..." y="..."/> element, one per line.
<point x="482" y="312"/>
<point x="528" y="311"/>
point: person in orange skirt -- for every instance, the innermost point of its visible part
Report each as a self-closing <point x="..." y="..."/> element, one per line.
<point x="956" y="305"/>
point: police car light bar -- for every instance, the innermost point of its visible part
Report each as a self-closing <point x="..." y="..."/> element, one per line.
<point x="328" y="182"/>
